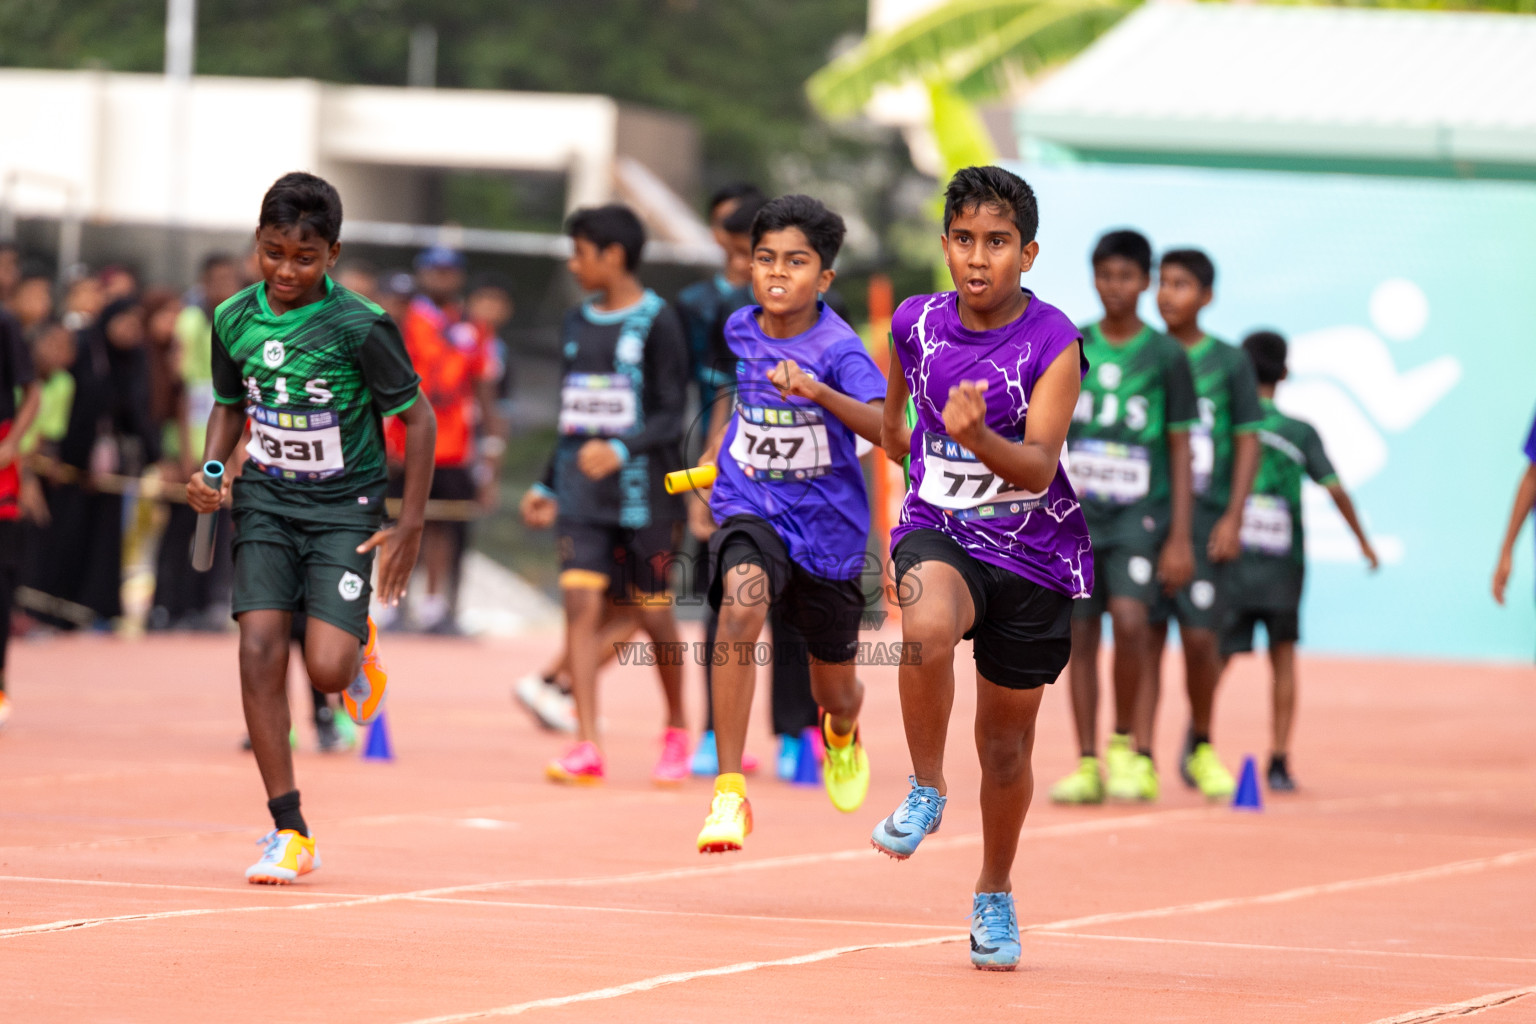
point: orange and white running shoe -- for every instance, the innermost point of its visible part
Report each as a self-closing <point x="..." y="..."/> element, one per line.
<point x="5" y="709"/>
<point x="582" y="765"/>
<point x="286" y="856"/>
<point x="365" y="695"/>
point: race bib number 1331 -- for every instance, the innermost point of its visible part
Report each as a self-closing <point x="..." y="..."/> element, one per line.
<point x="295" y="445"/>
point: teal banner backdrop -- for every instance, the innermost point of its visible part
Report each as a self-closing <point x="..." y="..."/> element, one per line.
<point x="1410" y="306"/>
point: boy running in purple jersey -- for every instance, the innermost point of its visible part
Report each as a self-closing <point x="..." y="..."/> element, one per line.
<point x="790" y="502"/>
<point x="992" y="545"/>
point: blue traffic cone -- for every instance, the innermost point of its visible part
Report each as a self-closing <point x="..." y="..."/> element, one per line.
<point x="807" y="767"/>
<point x="378" y="747"/>
<point x="1248" y="798"/>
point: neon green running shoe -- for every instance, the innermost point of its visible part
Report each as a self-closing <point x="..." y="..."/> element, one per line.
<point x="1118" y="758"/>
<point x="1081" y="787"/>
<point x="846" y="771"/>
<point x="1138" y="784"/>
<point x="1210" y="775"/>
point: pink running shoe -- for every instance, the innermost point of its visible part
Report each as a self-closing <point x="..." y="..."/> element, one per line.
<point x="582" y="765"/>
<point x="672" y="769"/>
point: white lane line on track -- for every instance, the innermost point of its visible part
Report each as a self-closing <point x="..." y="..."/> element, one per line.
<point x="1461" y="867"/>
<point x="663" y="980"/>
<point x="1468" y="1008"/>
<point x="1045" y="931"/>
<point x="1070" y="828"/>
<point x="1057" y="927"/>
<point x="247" y="889"/>
<point x="567" y="907"/>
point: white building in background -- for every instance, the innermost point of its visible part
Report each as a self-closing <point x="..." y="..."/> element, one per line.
<point x="142" y="150"/>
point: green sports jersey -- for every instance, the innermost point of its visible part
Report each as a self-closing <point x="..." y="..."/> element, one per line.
<point x="1228" y="398"/>
<point x="1134" y="395"/>
<point x="316" y="383"/>
<point x="1288" y="450"/>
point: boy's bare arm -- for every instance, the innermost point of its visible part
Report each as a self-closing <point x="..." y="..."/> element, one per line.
<point x="225" y="425"/>
<point x="863" y="418"/>
<point x="1176" y="563"/>
<point x="1347" y="510"/>
<point x="1031" y="463"/>
<point x="402" y="542"/>
<point x="1226" y="543"/>
<point x="895" y="435"/>
<point x="1525" y="498"/>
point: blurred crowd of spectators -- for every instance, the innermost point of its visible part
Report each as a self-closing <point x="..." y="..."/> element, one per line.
<point x="125" y="391"/>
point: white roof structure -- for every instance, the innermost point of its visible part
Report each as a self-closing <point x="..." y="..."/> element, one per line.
<point x="142" y="149"/>
<point x="1326" y="82"/>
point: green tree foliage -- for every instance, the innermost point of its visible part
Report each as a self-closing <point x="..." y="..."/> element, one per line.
<point x="736" y="66"/>
<point x="972" y="48"/>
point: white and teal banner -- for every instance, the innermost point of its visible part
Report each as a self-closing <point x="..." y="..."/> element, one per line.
<point x="1408" y="305"/>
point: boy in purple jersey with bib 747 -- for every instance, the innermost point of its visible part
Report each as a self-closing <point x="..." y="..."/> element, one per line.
<point x="790" y="502"/>
<point x="991" y="545"/>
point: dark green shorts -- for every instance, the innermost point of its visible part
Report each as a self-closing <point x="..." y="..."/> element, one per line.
<point x="298" y="565"/>
<point x="1203" y="603"/>
<point x="1125" y="553"/>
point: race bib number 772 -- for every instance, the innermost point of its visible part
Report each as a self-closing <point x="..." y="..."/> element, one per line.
<point x="955" y="480"/>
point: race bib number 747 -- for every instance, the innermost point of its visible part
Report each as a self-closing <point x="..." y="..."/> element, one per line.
<point x="775" y="444"/>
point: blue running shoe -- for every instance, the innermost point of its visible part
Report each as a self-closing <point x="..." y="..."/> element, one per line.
<point x="706" y="760"/>
<point x="919" y="815"/>
<point x="994" y="932"/>
<point x="789" y="757"/>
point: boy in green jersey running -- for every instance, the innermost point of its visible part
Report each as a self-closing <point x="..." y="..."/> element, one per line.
<point x="1129" y="463"/>
<point x="1266" y="579"/>
<point x="1224" y="454"/>
<point x="314" y="368"/>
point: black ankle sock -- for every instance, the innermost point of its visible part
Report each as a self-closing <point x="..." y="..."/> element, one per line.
<point x="1145" y="753"/>
<point x="285" y="813"/>
<point x="549" y="680"/>
<point x="1276" y="761"/>
<point x="1201" y="737"/>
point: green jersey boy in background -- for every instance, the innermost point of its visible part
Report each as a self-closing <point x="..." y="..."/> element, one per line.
<point x="1266" y="580"/>
<point x="1224" y="453"/>
<point x="1129" y="463"/>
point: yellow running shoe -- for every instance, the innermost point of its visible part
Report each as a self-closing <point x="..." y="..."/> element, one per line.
<point x="846" y="770"/>
<point x="1140" y="783"/>
<point x="285" y="856"/>
<point x="1210" y="775"/>
<point x="1081" y="787"/>
<point x="365" y="695"/>
<point x="1118" y="758"/>
<point x="729" y="821"/>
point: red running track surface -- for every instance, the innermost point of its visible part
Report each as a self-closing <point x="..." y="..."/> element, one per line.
<point x="1398" y="885"/>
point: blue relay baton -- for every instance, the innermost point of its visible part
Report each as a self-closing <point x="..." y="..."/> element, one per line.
<point x="207" y="522"/>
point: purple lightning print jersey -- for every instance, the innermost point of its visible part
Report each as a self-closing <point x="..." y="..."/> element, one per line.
<point x="1040" y="536"/>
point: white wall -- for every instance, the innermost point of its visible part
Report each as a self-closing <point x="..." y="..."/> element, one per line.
<point x="112" y="139"/>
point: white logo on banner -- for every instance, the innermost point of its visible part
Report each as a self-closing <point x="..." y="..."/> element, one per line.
<point x="1346" y="383"/>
